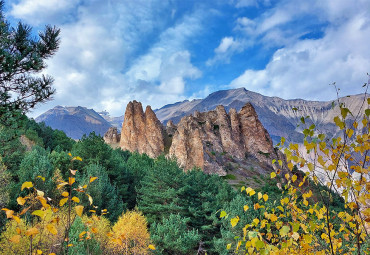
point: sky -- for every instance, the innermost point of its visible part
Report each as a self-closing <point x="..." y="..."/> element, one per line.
<point x="164" y="51"/>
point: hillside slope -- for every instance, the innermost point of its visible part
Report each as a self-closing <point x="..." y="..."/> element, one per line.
<point x="75" y="121"/>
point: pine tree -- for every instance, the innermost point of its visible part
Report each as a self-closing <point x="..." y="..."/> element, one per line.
<point x="22" y="57"/>
<point x="173" y="236"/>
<point x="160" y="189"/>
<point x="104" y="193"/>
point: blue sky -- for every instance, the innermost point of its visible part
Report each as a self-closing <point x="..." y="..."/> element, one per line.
<point x="160" y="52"/>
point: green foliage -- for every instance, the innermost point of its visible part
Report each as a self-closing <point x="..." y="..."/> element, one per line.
<point x="173" y="236"/>
<point x="23" y="57"/>
<point x="160" y="190"/>
<point x="82" y="245"/>
<point x="104" y="193"/>
<point x="11" y="149"/>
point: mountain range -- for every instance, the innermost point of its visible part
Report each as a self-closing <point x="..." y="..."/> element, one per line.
<point x="280" y="117"/>
<point x="75" y="121"/>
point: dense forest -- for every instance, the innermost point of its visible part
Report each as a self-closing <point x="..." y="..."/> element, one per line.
<point x="181" y="209"/>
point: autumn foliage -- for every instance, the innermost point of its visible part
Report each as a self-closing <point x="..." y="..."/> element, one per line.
<point x="303" y="220"/>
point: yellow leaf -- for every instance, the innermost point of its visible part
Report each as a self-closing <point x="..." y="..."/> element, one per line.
<point x="295" y="236"/>
<point x="61" y="184"/>
<point x="65" y="194"/>
<point x="246" y="207"/>
<point x="42" y="178"/>
<point x="69" y="245"/>
<point x="40" y="193"/>
<point x="15" y="239"/>
<point x="265" y="197"/>
<point x="9" y="213"/>
<point x="17" y="219"/>
<point x="77" y="158"/>
<point x="32" y="232"/>
<point x="223" y="214"/>
<point x="294" y="178"/>
<point x="26" y="185"/>
<point x="287" y="176"/>
<point x="79" y="210"/>
<point x="290" y="166"/>
<point x="307" y="239"/>
<point x="39" y="213"/>
<point x="52" y="253"/>
<point x="52" y="229"/>
<point x="228" y="246"/>
<point x="310" y="166"/>
<point x="349" y="133"/>
<point x="273" y="218"/>
<point x="256" y="221"/>
<point x="39" y="251"/>
<point x="71" y="180"/>
<point x="259" y="195"/>
<point x="81" y="235"/>
<point x="93" y="179"/>
<point x="94" y="230"/>
<point x="234" y="221"/>
<point x="21" y="200"/>
<point x="63" y="201"/>
<point x="284" y="231"/>
<point x="69" y="154"/>
<point x="76" y="199"/>
<point x="273" y="175"/>
<point x="19" y="231"/>
<point x="151" y="246"/>
<point x="90" y="199"/>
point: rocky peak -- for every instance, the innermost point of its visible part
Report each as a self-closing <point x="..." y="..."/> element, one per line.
<point x="112" y="136"/>
<point x="208" y="140"/>
<point x="141" y="132"/>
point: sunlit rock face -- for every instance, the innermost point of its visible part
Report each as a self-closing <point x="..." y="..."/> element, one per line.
<point x="141" y="132"/>
<point x="206" y="140"/>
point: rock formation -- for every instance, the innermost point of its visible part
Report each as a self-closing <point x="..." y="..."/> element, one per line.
<point x="141" y="132"/>
<point x="208" y="140"/>
<point x="112" y="136"/>
<point x="203" y="140"/>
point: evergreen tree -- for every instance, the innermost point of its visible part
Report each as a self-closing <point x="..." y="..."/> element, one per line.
<point x="202" y="196"/>
<point x="105" y="195"/>
<point x="172" y="236"/>
<point x="160" y="189"/>
<point x="22" y="56"/>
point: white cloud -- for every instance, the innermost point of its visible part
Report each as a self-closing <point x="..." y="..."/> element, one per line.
<point x="36" y="12"/>
<point x="225" y="44"/>
<point x="226" y="49"/>
<point x="102" y="64"/>
<point x="341" y="56"/>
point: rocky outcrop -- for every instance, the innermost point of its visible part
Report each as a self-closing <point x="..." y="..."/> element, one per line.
<point x="141" y="132"/>
<point x="205" y="139"/>
<point x="208" y="140"/>
<point x="112" y="136"/>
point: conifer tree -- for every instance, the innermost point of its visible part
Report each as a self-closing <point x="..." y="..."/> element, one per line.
<point x="22" y="57"/>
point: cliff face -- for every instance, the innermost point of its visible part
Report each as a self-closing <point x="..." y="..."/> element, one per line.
<point x="141" y="132"/>
<point x="112" y="136"/>
<point x="208" y="140"/>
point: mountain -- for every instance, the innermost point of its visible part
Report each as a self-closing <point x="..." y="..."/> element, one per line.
<point x="75" y="121"/>
<point x="280" y="117"/>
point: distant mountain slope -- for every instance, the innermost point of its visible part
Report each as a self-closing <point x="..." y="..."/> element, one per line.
<point x="75" y="121"/>
<point x="276" y="114"/>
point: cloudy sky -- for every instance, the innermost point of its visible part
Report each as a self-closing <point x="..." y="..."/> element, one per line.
<point x="160" y="52"/>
